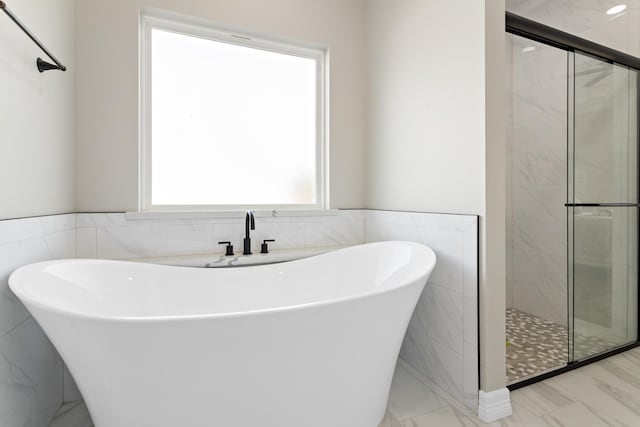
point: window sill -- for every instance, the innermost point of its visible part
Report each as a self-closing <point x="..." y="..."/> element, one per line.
<point x="146" y="215"/>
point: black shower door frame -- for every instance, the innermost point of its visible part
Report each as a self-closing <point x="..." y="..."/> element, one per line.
<point x="536" y="31"/>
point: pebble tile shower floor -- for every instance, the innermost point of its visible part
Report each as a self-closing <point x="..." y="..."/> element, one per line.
<point x="536" y="345"/>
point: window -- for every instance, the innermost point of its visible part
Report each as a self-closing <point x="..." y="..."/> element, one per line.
<point x="229" y="121"/>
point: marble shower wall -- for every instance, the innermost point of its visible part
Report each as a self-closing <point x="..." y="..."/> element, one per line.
<point x="442" y="339"/>
<point x="537" y="184"/>
<point x="33" y="383"/>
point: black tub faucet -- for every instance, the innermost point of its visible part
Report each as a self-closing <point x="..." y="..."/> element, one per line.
<point x="249" y="224"/>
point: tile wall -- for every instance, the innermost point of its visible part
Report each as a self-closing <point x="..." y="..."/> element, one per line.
<point x="33" y="384"/>
<point x="113" y="236"/>
<point x="442" y="338"/>
<point x="537" y="180"/>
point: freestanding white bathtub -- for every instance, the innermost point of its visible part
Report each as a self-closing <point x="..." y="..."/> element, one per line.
<point x="307" y="343"/>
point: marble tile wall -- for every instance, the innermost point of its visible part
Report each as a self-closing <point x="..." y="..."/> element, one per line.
<point x="537" y="183"/>
<point x="113" y="236"/>
<point x="32" y="381"/>
<point x="442" y="339"/>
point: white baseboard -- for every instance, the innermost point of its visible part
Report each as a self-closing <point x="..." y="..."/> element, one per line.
<point x="494" y="405"/>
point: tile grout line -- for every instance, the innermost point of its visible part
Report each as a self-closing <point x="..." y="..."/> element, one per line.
<point x="16" y="326"/>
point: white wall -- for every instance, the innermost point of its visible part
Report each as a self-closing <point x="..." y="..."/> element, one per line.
<point x="36" y="112"/>
<point x="426" y="96"/>
<point x="436" y="132"/>
<point x="107" y="87"/>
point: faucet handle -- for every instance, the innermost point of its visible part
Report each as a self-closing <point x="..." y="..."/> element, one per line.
<point x="229" y="248"/>
<point x="265" y="247"/>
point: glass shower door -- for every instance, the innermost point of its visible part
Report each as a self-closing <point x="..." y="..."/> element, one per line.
<point x="603" y="207"/>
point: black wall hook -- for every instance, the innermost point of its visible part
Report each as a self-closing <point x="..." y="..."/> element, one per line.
<point x="46" y="66"/>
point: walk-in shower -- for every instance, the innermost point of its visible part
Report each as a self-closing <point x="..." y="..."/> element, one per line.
<point x="572" y="200"/>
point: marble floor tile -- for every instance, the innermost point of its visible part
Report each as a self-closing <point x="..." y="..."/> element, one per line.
<point x="604" y="394"/>
<point x="609" y="400"/>
<point x="410" y="397"/>
<point x="444" y="417"/>
<point x="611" y="374"/>
<point x="580" y="415"/>
<point x="624" y="366"/>
<point x="538" y="399"/>
<point x="521" y="418"/>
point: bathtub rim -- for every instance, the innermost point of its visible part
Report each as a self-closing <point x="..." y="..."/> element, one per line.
<point x="28" y="301"/>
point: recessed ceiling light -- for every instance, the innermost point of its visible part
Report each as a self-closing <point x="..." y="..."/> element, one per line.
<point x="616" y="9"/>
<point x="529" y="49"/>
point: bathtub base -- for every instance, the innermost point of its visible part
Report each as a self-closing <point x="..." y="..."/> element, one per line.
<point x="332" y="366"/>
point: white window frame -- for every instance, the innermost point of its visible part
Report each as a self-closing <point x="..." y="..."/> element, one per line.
<point x="198" y="28"/>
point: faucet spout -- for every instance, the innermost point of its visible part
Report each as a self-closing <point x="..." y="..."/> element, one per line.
<point x="249" y="224"/>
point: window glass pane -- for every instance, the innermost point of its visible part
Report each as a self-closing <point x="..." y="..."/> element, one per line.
<point x="231" y="125"/>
